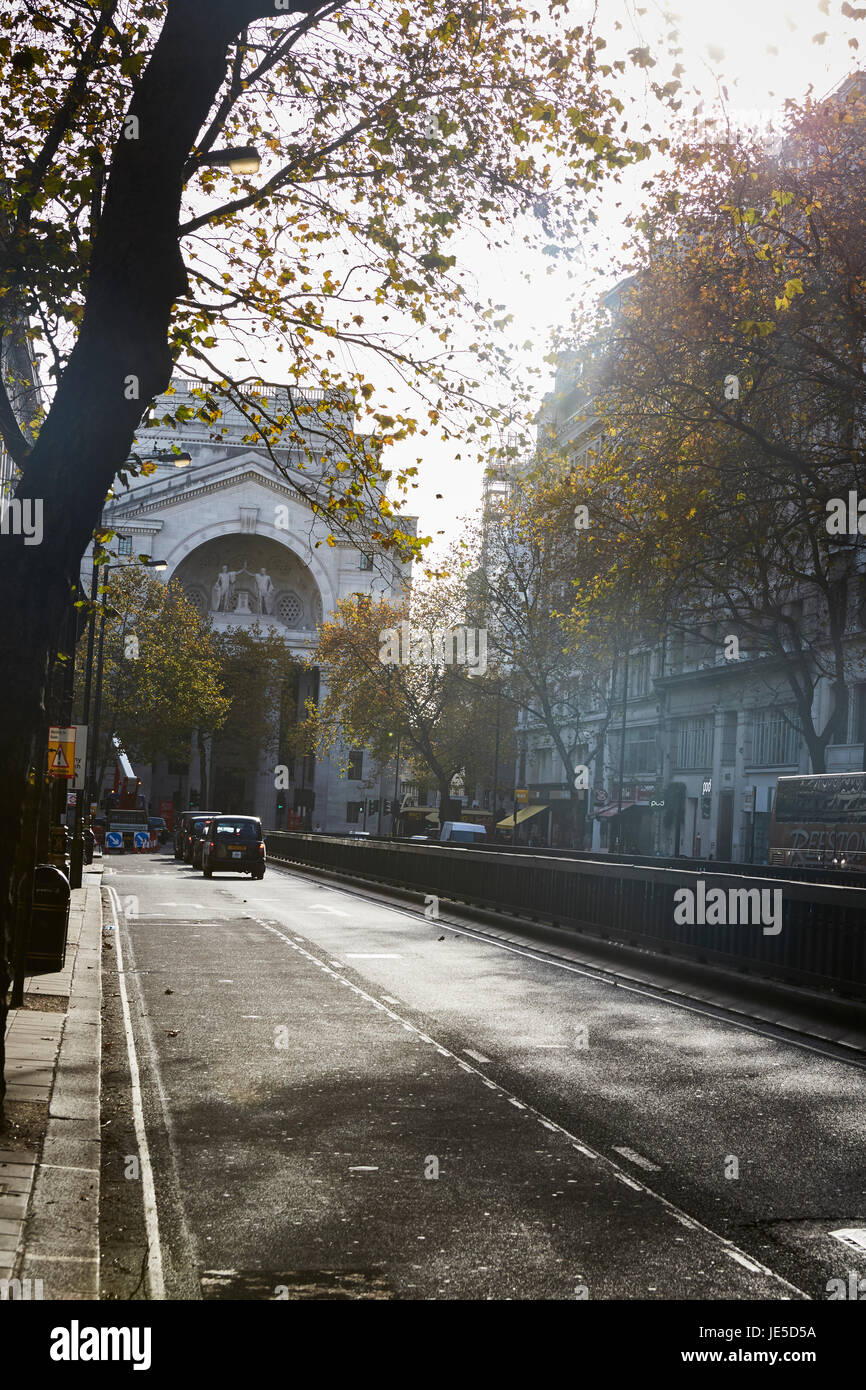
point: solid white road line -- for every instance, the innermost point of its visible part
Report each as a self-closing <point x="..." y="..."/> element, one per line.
<point x="478" y="1056"/>
<point x="636" y="1158"/>
<point x="151" y="1217"/>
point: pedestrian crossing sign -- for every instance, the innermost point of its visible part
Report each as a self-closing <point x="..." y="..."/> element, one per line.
<point x="61" y="752"/>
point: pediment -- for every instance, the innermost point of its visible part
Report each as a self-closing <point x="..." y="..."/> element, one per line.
<point x="206" y="479"/>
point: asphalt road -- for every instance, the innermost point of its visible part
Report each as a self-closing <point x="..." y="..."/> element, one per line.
<point x="334" y="1097"/>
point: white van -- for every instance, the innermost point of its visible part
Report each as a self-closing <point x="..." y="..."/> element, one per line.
<point x="460" y="832"/>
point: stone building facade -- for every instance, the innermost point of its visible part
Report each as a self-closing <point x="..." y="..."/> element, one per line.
<point x="715" y="732"/>
<point x="237" y="528"/>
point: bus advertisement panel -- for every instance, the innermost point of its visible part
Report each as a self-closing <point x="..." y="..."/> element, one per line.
<point x="820" y="821"/>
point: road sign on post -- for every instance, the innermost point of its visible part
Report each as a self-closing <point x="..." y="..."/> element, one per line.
<point x="114" y="840"/>
<point x="142" y="839"/>
<point x="61" y="751"/>
<point x="521" y="796"/>
<point x="80" y="756"/>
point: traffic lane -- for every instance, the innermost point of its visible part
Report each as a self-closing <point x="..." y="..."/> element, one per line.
<point x="309" y="1122"/>
<point x="748" y="1132"/>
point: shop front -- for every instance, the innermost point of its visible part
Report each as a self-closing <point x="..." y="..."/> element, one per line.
<point x="629" y="820"/>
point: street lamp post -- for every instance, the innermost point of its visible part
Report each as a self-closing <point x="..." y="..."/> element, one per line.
<point x="76" y="860"/>
<point x="496" y="757"/>
<point x="241" y="159"/>
<point x="622" y="754"/>
<point x="396" y="779"/>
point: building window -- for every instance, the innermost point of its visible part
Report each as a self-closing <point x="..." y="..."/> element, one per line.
<point x="694" y="743"/>
<point x="289" y="609"/>
<point x="641" y="751"/>
<point x="775" y="738"/>
<point x="353" y="811"/>
<point x="543" y="762"/>
<point x="639" y="674"/>
<point x="356" y="765"/>
<point x="124" y="545"/>
<point x="366" y="562"/>
<point x="640" y="748"/>
<point x="854" y="730"/>
<point x="729" y="737"/>
<point x="198" y="598"/>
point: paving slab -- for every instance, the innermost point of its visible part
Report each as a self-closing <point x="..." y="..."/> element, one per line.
<point x="49" y="1200"/>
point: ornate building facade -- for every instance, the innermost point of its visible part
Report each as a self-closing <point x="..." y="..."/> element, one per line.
<point x="237" y="528"/>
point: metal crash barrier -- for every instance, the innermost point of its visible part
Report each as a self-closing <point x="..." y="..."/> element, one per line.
<point x="820" y="940"/>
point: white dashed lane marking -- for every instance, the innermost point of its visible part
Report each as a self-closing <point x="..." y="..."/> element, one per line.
<point x="728" y="1248"/>
<point x="852" y="1236"/>
<point x="636" y="1158"/>
<point x="477" y="1056"/>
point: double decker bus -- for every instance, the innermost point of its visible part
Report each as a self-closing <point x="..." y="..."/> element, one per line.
<point x="820" y="821"/>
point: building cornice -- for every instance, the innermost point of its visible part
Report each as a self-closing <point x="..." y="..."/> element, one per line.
<point x="192" y="491"/>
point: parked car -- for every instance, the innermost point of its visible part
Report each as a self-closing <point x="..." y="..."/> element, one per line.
<point x="460" y="832"/>
<point x="234" y="844"/>
<point x="200" y="830"/>
<point x="359" y="834"/>
<point x="157" y="824"/>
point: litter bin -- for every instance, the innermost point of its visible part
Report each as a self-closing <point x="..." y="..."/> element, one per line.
<point x="49" y="921"/>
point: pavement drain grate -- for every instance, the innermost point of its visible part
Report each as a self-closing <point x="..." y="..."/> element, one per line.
<point x="275" y="1285"/>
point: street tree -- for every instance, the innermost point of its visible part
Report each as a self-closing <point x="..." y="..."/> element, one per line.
<point x="385" y="131"/>
<point x="162" y="675"/>
<point x="401" y="672"/>
<point x="536" y="568"/>
<point x="732" y="412"/>
<point x="258" y="674"/>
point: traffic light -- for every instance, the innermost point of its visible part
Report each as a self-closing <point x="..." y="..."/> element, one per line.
<point x="281" y="801"/>
<point x="386" y="808"/>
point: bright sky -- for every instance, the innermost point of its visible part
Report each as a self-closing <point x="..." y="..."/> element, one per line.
<point x="764" y="53"/>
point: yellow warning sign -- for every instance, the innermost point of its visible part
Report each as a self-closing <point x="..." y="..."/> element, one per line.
<point x="61" y="752"/>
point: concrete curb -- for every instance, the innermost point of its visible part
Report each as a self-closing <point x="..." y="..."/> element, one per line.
<point x="60" y="1244"/>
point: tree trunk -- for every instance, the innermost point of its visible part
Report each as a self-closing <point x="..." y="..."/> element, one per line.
<point x="120" y="361"/>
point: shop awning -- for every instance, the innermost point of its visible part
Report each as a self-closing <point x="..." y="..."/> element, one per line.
<point x="615" y="809"/>
<point x="523" y="814"/>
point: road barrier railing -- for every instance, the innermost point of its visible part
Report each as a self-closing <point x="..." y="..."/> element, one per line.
<point x="820" y="941"/>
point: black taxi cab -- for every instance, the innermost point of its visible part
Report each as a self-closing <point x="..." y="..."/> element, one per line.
<point x="234" y="844"/>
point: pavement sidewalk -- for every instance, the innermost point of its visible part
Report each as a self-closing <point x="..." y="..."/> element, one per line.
<point x="49" y="1191"/>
